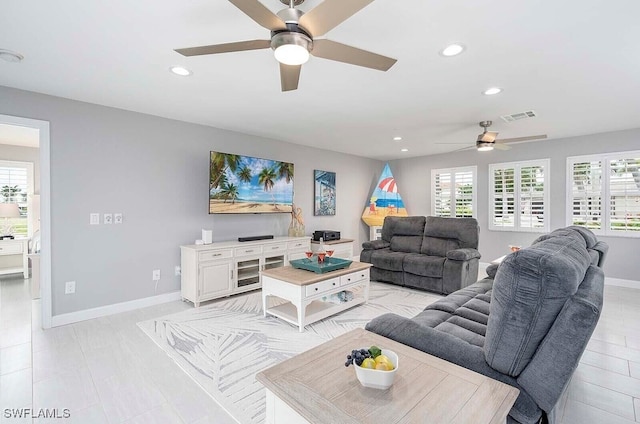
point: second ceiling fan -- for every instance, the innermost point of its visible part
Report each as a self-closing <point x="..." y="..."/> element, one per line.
<point x="293" y="35"/>
<point x="488" y="140"/>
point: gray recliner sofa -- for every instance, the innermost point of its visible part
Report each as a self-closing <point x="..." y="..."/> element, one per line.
<point x="526" y="325"/>
<point x="428" y="253"/>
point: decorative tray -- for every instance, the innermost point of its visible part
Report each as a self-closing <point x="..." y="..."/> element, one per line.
<point x="312" y="264"/>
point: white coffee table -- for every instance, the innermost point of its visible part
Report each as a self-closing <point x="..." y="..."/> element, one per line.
<point x="304" y="291"/>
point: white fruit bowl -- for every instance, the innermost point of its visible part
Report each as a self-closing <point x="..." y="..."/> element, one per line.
<point x="377" y="379"/>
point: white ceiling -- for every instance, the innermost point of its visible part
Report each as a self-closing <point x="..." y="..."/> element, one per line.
<point x="575" y="63"/>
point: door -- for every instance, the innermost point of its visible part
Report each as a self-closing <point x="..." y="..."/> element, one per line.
<point x="215" y="279"/>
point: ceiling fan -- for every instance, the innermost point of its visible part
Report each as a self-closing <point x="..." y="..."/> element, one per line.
<point x="293" y="35"/>
<point x="488" y="139"/>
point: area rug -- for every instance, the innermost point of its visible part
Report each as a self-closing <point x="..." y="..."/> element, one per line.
<point x="223" y="345"/>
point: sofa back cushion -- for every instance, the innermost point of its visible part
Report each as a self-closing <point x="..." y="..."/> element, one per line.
<point x="444" y="234"/>
<point x="530" y="289"/>
<point x="404" y="233"/>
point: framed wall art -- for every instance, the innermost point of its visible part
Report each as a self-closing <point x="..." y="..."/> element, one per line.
<point x="325" y="193"/>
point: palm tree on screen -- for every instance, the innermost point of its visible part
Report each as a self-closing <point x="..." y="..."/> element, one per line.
<point x="245" y="174"/>
<point x="230" y="191"/>
<point x="285" y="170"/>
<point x="266" y="178"/>
<point x="220" y="163"/>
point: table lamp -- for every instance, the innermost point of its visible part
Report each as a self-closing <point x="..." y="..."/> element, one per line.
<point x="8" y="210"/>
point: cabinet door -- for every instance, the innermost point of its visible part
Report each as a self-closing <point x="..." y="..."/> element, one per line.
<point x="215" y="279"/>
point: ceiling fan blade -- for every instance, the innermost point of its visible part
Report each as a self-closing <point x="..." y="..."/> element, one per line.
<point x="259" y="13"/>
<point x="522" y="139"/>
<point x="331" y="50"/>
<point x="225" y="48"/>
<point x="488" y="137"/>
<point x="441" y="142"/>
<point x="329" y="14"/>
<point x="499" y="146"/>
<point x="289" y="76"/>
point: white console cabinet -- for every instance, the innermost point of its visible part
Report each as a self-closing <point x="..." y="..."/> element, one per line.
<point x="210" y="271"/>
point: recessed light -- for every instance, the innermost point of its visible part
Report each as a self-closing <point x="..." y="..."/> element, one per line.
<point x="491" y="91"/>
<point x="404" y="150"/>
<point x="397" y="138"/>
<point x="179" y="70"/>
<point x="9" y="56"/>
<point x="452" y="50"/>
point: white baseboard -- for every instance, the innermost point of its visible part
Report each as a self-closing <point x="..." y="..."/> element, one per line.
<point x="619" y="282"/>
<point x="70" y="318"/>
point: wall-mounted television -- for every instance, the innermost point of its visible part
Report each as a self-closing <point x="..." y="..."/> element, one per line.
<point x="245" y="184"/>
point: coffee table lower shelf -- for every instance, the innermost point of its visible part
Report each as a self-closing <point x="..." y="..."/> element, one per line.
<point x="315" y="311"/>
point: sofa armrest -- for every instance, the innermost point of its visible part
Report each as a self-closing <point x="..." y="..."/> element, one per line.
<point x="491" y="270"/>
<point x="463" y="254"/>
<point x="375" y="245"/>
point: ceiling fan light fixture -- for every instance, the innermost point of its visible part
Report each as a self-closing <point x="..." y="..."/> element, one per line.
<point x="484" y="147"/>
<point x="11" y="57"/>
<point x="291" y="48"/>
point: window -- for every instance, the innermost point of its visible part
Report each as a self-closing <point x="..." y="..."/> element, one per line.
<point x="604" y="193"/>
<point x="16" y="186"/>
<point x="519" y="196"/>
<point x="454" y="192"/>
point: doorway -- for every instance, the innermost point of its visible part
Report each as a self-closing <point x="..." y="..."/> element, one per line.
<point x="42" y="128"/>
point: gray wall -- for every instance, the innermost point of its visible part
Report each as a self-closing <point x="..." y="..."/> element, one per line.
<point x="155" y="172"/>
<point x="24" y="154"/>
<point x="414" y="179"/>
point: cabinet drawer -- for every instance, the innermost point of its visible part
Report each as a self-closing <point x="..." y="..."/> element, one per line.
<point x="354" y="277"/>
<point x="295" y="245"/>
<point x="215" y="254"/>
<point x="274" y="248"/>
<point x="322" y="286"/>
<point x="249" y="250"/>
<point x="10" y="249"/>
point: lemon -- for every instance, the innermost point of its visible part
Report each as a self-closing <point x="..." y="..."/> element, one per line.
<point x="368" y="363"/>
<point x="383" y="366"/>
<point x="383" y="358"/>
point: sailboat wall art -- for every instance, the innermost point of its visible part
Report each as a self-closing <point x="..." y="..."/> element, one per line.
<point x="384" y="201"/>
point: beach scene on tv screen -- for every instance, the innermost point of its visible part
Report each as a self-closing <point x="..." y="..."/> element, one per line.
<point x="244" y="184"/>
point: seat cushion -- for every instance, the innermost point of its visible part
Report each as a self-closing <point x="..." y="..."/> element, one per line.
<point x="423" y="265"/>
<point x="387" y="259"/>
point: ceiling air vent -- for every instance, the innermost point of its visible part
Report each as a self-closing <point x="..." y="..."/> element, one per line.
<point x="519" y="116"/>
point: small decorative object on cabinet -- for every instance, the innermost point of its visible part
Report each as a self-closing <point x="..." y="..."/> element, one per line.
<point x="342" y="248"/>
<point x="221" y="269"/>
<point x="296" y="228"/>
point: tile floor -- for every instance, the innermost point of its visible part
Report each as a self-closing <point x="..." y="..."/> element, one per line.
<point x="107" y="371"/>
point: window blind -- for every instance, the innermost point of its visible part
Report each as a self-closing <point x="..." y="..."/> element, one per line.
<point x="454" y="192"/>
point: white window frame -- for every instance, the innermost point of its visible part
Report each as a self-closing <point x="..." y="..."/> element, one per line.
<point x="605" y="203"/>
<point x="453" y="171"/>
<point x="517" y="166"/>
<point x="30" y="188"/>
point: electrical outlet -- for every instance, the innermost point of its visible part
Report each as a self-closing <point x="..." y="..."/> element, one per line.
<point x="70" y="287"/>
<point x="108" y="218"/>
<point x="156" y="274"/>
<point x="117" y="218"/>
<point x="94" y="219"/>
<point x="178" y="270"/>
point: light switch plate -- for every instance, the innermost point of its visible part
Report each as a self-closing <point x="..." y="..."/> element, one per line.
<point x="94" y="219"/>
<point x="108" y="218"/>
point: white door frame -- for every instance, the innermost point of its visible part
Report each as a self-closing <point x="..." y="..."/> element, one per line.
<point x="45" y="208"/>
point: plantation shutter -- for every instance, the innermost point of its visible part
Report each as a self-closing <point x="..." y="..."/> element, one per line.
<point x="464" y="183"/>
<point x="624" y="195"/>
<point x="442" y="193"/>
<point x="586" y="193"/>
<point x="519" y="196"/>
<point x="14" y="188"/>
<point x="454" y="192"/>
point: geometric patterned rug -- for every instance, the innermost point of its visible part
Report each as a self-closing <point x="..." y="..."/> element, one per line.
<point x="223" y="345"/>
